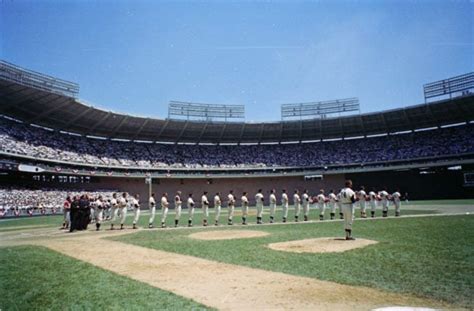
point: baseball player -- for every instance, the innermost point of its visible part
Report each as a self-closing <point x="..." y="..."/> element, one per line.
<point x="297" y="203"/>
<point x="273" y="202"/>
<point x="164" y="209"/>
<point x="177" y="208"/>
<point x="362" y="197"/>
<point x="136" y="209"/>
<point x="259" y="199"/>
<point x="91" y="209"/>
<point x="396" y="198"/>
<point x="190" y="205"/>
<point x="305" y="204"/>
<point x="348" y="199"/>
<point x="284" y="204"/>
<point x="373" y="202"/>
<point x="99" y="212"/>
<point x="230" y="206"/>
<point x="245" y="208"/>
<point x="321" y="198"/>
<point x="384" y="197"/>
<point x="339" y="205"/>
<point x="152" y="206"/>
<point x="332" y="204"/>
<point x="108" y="209"/>
<point x="205" y="208"/>
<point x="122" y="205"/>
<point x="66" y="212"/>
<point x="217" y="206"/>
<point x="113" y="210"/>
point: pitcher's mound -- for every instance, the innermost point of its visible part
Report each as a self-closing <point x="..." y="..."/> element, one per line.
<point x="321" y="245"/>
<point x="227" y="234"/>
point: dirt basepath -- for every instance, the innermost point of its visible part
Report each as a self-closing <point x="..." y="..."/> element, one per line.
<point x="225" y="286"/>
<point x="227" y="234"/>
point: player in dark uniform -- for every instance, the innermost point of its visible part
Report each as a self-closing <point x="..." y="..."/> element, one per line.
<point x="85" y="212"/>
<point x="74" y="214"/>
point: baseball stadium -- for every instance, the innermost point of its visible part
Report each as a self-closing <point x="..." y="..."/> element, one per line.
<point x="327" y="204"/>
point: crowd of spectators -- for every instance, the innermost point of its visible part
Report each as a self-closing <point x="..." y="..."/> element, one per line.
<point x="17" y="201"/>
<point x="19" y="138"/>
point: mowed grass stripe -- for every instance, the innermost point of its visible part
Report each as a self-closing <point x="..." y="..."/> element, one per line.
<point x="431" y="256"/>
<point x="36" y="278"/>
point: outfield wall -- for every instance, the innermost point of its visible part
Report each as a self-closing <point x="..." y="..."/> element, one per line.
<point x="199" y="185"/>
<point x="435" y="183"/>
<point x="223" y="185"/>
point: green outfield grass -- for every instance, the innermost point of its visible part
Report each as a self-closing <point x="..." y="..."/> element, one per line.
<point x="429" y="256"/>
<point x="40" y="221"/>
<point x="57" y="220"/>
<point x="35" y="278"/>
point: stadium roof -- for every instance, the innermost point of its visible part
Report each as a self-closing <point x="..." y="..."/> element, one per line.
<point x="61" y="112"/>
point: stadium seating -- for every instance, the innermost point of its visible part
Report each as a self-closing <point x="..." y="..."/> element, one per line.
<point x="48" y="199"/>
<point x="21" y="139"/>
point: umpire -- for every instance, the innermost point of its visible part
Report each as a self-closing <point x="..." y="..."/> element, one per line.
<point x="85" y="212"/>
<point x="74" y="214"/>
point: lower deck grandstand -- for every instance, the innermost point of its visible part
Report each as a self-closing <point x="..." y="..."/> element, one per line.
<point x="20" y="139"/>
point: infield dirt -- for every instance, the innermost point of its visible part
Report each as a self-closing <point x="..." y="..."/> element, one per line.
<point x="320" y="245"/>
<point x="227" y="286"/>
<point x="227" y="234"/>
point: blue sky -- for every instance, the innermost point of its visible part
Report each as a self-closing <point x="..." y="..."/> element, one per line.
<point x="136" y="56"/>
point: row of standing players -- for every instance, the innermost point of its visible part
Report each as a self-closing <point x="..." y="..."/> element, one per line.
<point x="84" y="209"/>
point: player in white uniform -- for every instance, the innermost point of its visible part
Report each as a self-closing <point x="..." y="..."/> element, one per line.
<point x="205" y="208"/>
<point x="373" y="202"/>
<point x="384" y="196"/>
<point x="245" y="208"/>
<point x="230" y="207"/>
<point x="217" y="206"/>
<point x="92" y="209"/>
<point x="305" y="203"/>
<point x="339" y="205"/>
<point x="284" y="204"/>
<point x="190" y="204"/>
<point x="297" y="204"/>
<point x="259" y="199"/>
<point x="273" y="201"/>
<point x="152" y="206"/>
<point x="136" y="210"/>
<point x="178" y="205"/>
<point x="122" y="206"/>
<point x="348" y="199"/>
<point x="396" y="198"/>
<point x="109" y="210"/>
<point x="114" y="210"/>
<point x="332" y="203"/>
<point x="164" y="209"/>
<point x="321" y="204"/>
<point x="99" y="210"/>
<point x="362" y="196"/>
<point x="66" y="212"/>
